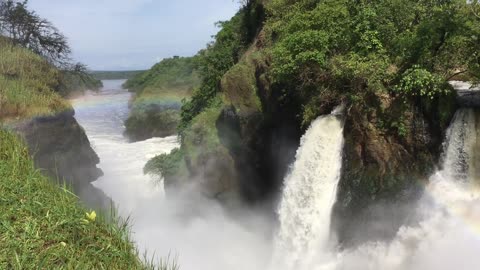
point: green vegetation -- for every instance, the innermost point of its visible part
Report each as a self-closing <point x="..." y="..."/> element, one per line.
<point x="177" y="73"/>
<point x="166" y="164"/>
<point x="384" y="59"/>
<point x="43" y="227"/>
<point x="115" y="75"/>
<point x="73" y="81"/>
<point x="159" y="95"/>
<point x="25" y="28"/>
<point x="231" y="42"/>
<point x="26" y="83"/>
<point x="341" y="49"/>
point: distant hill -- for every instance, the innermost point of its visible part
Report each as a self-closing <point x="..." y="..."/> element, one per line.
<point x="159" y="92"/>
<point x="115" y="75"/>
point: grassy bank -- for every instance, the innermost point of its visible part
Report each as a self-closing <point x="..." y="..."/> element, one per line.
<point x="43" y="227"/>
<point x="26" y="84"/>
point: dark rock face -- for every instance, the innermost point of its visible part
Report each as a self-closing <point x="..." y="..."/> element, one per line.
<point x="61" y="148"/>
<point x="260" y="130"/>
<point x="383" y="171"/>
<point x="154" y="120"/>
<point x="392" y="146"/>
<point x="261" y="150"/>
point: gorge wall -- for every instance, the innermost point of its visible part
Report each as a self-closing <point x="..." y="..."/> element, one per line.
<point x="61" y="149"/>
<point x="282" y="64"/>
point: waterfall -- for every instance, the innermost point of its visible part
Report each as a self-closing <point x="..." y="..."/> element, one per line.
<point x="445" y="236"/>
<point x="309" y="194"/>
<point x="459" y="145"/>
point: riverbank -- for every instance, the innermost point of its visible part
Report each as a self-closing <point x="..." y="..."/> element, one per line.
<point x="44" y="227"/>
<point x="42" y="223"/>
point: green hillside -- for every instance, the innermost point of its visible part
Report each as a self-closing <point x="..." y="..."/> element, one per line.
<point x="159" y="94"/>
<point x="27" y="84"/>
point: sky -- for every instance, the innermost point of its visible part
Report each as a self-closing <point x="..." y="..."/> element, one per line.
<point x="134" y="34"/>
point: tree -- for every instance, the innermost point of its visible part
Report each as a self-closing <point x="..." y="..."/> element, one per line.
<point x="475" y="5"/>
<point x="25" y="28"/>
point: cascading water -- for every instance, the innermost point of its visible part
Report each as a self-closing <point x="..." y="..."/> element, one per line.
<point x="102" y="115"/>
<point x="309" y="194"/>
<point x="444" y="238"/>
<point x="447" y="235"/>
<point x="203" y="237"/>
<point x="461" y="137"/>
<point x="195" y="231"/>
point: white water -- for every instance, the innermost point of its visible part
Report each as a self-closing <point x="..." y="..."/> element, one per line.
<point x="204" y="237"/>
<point x="446" y="237"/>
<point x="102" y="115"/>
<point x="309" y="195"/>
<point x="194" y="231"/>
<point x="459" y="145"/>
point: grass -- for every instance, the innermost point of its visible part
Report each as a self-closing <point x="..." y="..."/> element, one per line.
<point x="42" y="226"/>
<point x="26" y="84"/>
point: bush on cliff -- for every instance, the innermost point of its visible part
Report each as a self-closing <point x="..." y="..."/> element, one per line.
<point x="349" y="49"/>
<point x="388" y="61"/>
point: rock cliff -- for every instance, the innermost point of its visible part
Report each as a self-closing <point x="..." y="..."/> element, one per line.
<point x="61" y="149"/>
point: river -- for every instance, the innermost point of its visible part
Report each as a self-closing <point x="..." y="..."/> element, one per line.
<point x="195" y="232"/>
<point x="200" y="234"/>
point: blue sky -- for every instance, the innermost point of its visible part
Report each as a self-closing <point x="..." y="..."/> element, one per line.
<point x="134" y="34"/>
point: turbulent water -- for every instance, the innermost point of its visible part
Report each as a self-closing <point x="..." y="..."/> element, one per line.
<point x="309" y="194"/>
<point x="195" y="232"/>
<point x="204" y="236"/>
<point x="446" y="236"/>
<point x="102" y="115"/>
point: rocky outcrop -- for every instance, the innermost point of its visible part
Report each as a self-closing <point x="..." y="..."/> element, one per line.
<point x="61" y="149"/>
<point x="242" y="148"/>
<point x="390" y="149"/>
<point x="154" y="120"/>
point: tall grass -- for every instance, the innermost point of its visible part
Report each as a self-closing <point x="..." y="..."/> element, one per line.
<point x="26" y="84"/>
<point x="42" y="226"/>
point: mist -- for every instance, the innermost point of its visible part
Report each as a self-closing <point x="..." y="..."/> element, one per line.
<point x="201" y="233"/>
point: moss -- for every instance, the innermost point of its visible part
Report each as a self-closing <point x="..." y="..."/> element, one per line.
<point x="239" y="84"/>
<point x="171" y="166"/>
<point x="201" y="138"/>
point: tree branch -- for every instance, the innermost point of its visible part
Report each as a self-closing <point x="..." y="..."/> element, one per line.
<point x="456" y="74"/>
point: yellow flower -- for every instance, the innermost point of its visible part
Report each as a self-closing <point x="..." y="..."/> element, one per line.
<point x="91" y="216"/>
